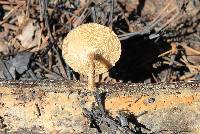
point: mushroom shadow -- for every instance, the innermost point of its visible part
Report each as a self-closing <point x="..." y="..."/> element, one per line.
<point x="135" y="64"/>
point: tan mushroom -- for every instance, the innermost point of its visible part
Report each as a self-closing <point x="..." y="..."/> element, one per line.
<point x="91" y="49"/>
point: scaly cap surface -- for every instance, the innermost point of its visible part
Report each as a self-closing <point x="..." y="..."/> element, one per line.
<point x="87" y="39"/>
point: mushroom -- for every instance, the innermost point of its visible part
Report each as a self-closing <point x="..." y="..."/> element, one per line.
<point x="91" y="49"/>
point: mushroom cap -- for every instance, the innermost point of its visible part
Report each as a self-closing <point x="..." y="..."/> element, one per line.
<point x="87" y="39"/>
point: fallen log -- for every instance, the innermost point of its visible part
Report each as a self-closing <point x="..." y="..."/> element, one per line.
<point x="54" y="106"/>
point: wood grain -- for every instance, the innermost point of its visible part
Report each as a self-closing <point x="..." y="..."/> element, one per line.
<point x="54" y="106"/>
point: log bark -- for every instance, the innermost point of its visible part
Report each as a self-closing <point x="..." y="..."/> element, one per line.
<point x="54" y="106"/>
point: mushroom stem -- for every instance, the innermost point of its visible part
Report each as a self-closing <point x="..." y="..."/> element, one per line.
<point x="91" y="74"/>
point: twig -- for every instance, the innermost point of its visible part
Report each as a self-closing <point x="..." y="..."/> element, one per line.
<point x="157" y="19"/>
<point x="48" y="71"/>
<point x="190" y="49"/>
<point x="111" y="13"/>
<point x="129" y="35"/>
<point x="9" y="14"/>
<point x="45" y="5"/>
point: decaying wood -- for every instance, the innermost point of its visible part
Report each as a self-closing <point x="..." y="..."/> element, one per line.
<point x="54" y="106"/>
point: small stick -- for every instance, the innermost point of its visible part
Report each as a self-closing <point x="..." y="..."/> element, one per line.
<point x="9" y="14"/>
<point x="191" y="49"/>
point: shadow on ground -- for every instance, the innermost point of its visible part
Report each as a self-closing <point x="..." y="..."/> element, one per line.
<point x="138" y="55"/>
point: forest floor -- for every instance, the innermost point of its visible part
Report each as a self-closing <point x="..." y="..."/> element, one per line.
<point x="160" y="38"/>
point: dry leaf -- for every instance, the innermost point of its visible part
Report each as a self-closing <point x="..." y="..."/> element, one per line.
<point x="4" y="47"/>
<point x="30" y="36"/>
<point x="21" y="19"/>
<point x="193" y="57"/>
<point x="19" y="64"/>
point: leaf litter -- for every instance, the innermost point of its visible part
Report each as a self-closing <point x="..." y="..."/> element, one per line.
<point x="160" y="40"/>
